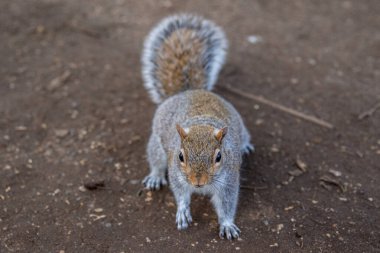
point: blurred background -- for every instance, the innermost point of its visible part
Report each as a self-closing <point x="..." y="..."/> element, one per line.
<point x="75" y="120"/>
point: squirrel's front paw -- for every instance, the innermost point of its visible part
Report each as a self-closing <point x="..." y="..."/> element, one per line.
<point x="230" y="231"/>
<point x="153" y="182"/>
<point x="183" y="218"/>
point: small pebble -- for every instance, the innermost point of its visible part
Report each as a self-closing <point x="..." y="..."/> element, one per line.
<point x="56" y="192"/>
<point x="279" y="228"/>
<point x="20" y="128"/>
<point x="61" y="132"/>
<point x="274" y="149"/>
<point x="148" y="196"/>
<point x="288" y="208"/>
<point x="40" y="29"/>
<point x="117" y="166"/>
<point x="301" y="165"/>
<point x="335" y="172"/>
<point x="134" y="181"/>
<point x="259" y="122"/>
<point x="294" y="80"/>
<point x="312" y="61"/>
<point x="253" y="39"/>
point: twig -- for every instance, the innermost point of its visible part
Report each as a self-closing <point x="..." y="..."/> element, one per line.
<point x="290" y="111"/>
<point x="84" y="30"/>
<point x="369" y="112"/>
<point x="246" y="187"/>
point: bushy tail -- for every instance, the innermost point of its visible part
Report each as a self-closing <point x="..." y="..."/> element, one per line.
<point x="182" y="52"/>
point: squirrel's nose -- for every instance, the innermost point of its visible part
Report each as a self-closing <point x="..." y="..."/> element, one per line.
<point x="201" y="181"/>
<point x="198" y="180"/>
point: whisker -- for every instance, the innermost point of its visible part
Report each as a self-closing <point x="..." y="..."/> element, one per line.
<point x="223" y="183"/>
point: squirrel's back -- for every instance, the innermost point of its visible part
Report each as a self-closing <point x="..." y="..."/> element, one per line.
<point x="182" y="52"/>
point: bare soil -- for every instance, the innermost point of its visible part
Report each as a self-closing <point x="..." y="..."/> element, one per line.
<point x="75" y="120"/>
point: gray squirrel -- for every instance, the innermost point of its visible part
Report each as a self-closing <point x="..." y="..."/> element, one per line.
<point x="197" y="136"/>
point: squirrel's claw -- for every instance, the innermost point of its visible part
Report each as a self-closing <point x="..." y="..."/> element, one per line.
<point x="183" y="218"/>
<point x="152" y="182"/>
<point x="249" y="149"/>
<point x="229" y="231"/>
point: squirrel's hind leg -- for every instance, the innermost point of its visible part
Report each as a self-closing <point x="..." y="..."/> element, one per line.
<point x="158" y="164"/>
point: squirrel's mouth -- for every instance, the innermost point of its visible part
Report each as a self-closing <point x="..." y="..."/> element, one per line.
<point x="197" y="180"/>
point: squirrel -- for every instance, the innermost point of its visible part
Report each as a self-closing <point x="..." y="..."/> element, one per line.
<point x="198" y="138"/>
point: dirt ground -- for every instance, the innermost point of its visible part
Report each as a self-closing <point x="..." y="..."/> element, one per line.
<point x="75" y="120"/>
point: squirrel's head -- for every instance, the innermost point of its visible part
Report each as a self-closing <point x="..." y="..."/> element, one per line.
<point x="201" y="155"/>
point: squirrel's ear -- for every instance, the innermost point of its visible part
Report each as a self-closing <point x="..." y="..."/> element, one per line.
<point x="220" y="133"/>
<point x="182" y="132"/>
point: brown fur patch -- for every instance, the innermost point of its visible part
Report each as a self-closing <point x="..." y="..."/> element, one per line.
<point x="203" y="103"/>
<point x="180" y="64"/>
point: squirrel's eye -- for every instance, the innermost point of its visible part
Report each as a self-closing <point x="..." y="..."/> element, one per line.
<point x="180" y="156"/>
<point x="218" y="157"/>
